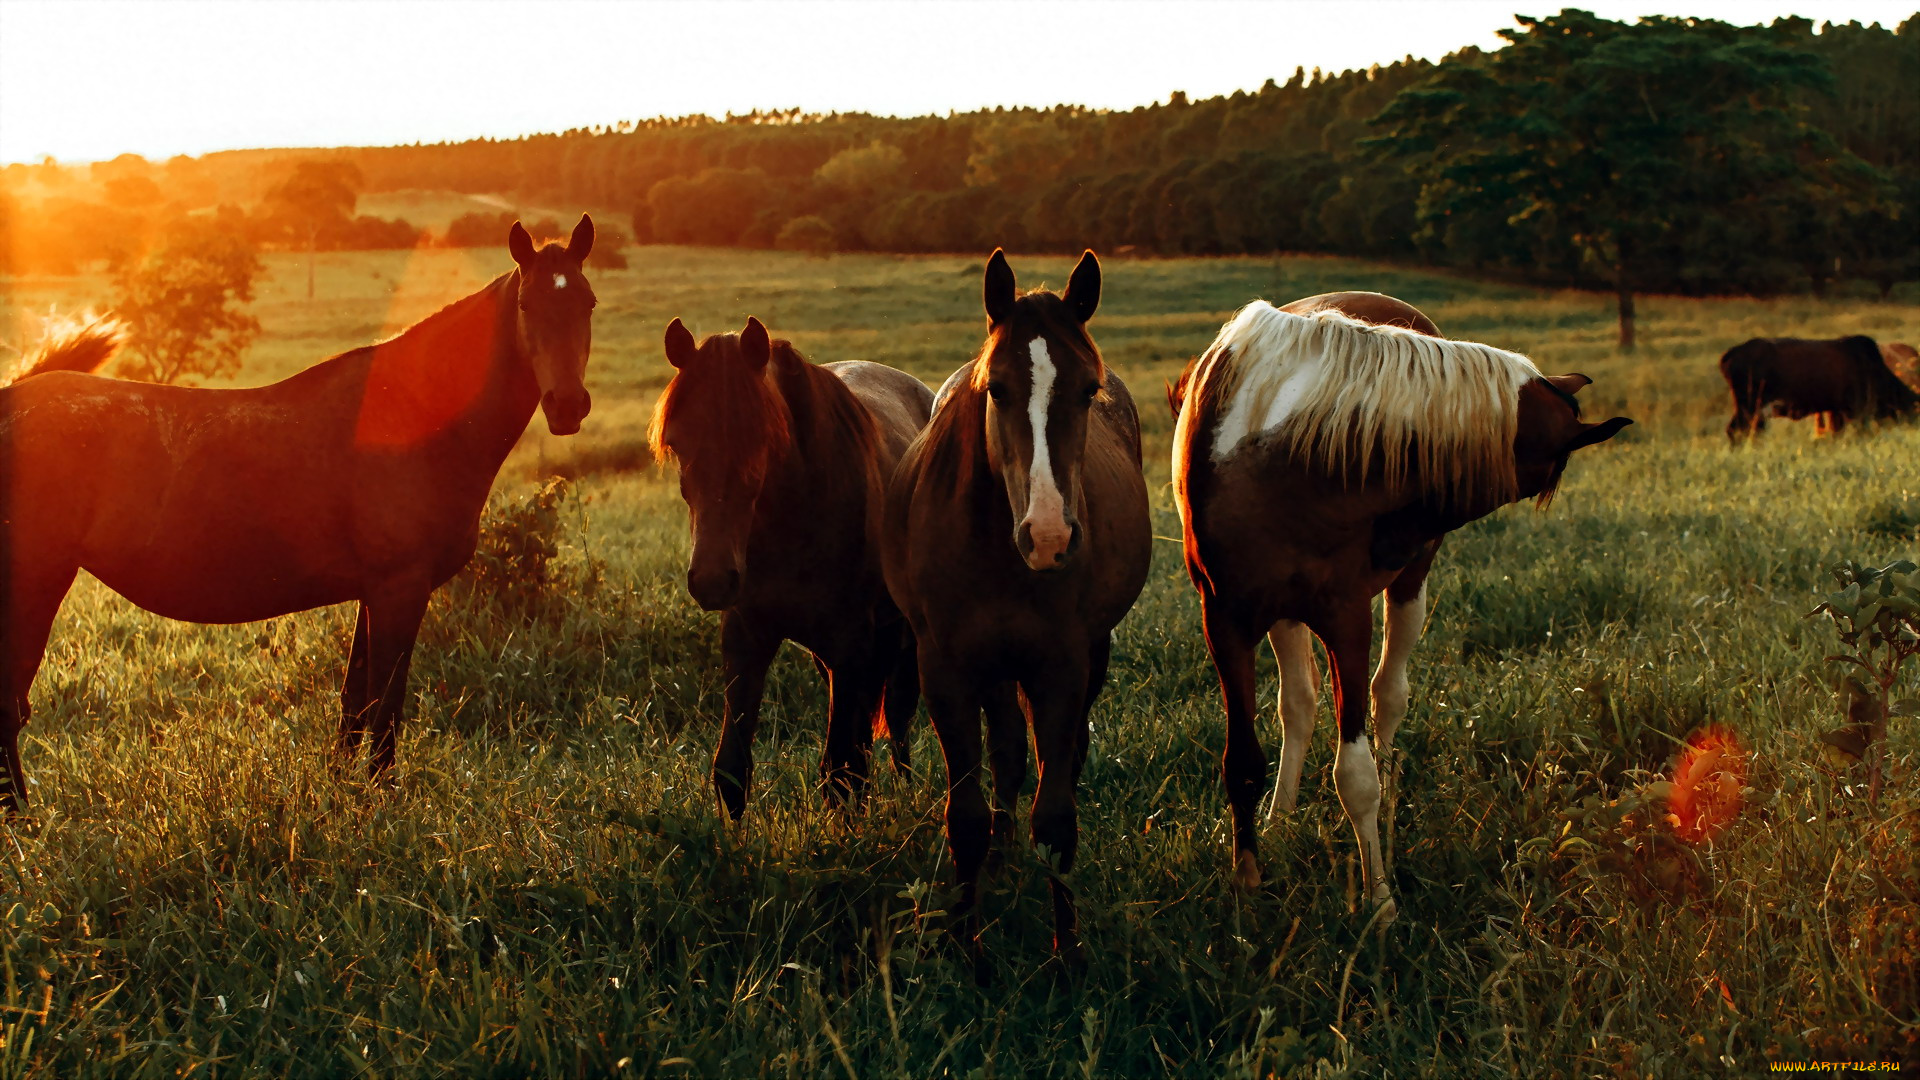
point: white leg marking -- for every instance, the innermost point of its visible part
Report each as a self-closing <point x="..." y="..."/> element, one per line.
<point x="1046" y="518"/>
<point x="1404" y="623"/>
<point x="1358" y="780"/>
<point x="1299" y="699"/>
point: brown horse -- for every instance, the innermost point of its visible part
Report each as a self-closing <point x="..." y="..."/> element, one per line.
<point x="783" y="466"/>
<point x="1017" y="538"/>
<point x="1321" y="452"/>
<point x="360" y="478"/>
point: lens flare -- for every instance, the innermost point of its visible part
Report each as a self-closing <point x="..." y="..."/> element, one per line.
<point x="1706" y="784"/>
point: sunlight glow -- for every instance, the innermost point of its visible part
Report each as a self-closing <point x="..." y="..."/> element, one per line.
<point x="89" y="81"/>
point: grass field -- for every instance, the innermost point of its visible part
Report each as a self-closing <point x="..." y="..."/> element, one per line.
<point x="548" y="891"/>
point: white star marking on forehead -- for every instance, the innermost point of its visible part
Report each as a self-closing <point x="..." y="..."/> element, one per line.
<point x="559" y="281"/>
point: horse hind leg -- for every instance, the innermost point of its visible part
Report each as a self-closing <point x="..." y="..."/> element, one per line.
<point x="1348" y="635"/>
<point x="1243" y="767"/>
<point x="27" y="610"/>
<point x="856" y="689"/>
<point x="1292" y="646"/>
<point x="1405" y="603"/>
<point x="902" y="701"/>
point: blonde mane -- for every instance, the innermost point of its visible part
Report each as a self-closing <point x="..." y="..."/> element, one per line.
<point x="1348" y="398"/>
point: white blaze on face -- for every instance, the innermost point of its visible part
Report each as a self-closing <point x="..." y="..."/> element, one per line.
<point x="1046" y="511"/>
<point x="559" y="281"/>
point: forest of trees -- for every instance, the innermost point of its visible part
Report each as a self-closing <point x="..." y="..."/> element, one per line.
<point x="1670" y="155"/>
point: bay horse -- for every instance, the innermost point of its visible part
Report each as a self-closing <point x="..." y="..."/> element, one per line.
<point x="1321" y="451"/>
<point x="783" y="467"/>
<point x="360" y="478"/>
<point x="1017" y="537"/>
<point x="1831" y="380"/>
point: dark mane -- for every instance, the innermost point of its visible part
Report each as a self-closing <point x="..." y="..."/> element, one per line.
<point x="826" y="419"/>
<point x="505" y="286"/>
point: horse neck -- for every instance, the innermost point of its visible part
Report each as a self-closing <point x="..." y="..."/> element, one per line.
<point x="957" y="469"/>
<point x="458" y="376"/>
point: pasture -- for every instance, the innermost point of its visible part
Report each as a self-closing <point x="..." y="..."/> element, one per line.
<point x="549" y="889"/>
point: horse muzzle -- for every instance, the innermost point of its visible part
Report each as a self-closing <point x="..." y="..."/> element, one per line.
<point x="565" y="409"/>
<point x="714" y="589"/>
<point x="1046" y="548"/>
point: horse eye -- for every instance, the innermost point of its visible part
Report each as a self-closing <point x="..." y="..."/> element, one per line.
<point x="1091" y="392"/>
<point x="997" y="392"/>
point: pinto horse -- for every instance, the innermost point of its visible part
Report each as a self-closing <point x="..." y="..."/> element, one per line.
<point x="1017" y="537"/>
<point x="360" y="478"/>
<point x="783" y="466"/>
<point x="1321" y="452"/>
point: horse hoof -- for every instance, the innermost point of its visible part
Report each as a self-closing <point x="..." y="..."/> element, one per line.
<point x="1246" y="870"/>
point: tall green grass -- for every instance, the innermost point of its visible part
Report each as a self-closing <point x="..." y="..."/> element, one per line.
<point x="548" y="890"/>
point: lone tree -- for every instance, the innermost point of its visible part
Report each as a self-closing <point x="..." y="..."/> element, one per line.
<point x="1617" y="140"/>
<point x="183" y="302"/>
<point x="316" y="200"/>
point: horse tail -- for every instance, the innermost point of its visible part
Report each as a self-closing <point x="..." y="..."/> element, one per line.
<point x="83" y="345"/>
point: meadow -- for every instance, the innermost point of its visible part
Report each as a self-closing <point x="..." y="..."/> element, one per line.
<point x="549" y="890"/>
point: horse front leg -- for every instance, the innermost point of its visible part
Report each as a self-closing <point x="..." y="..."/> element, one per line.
<point x="1347" y="633"/>
<point x="745" y="654"/>
<point x="1007" y="754"/>
<point x="393" y="625"/>
<point x="354" y="697"/>
<point x="1243" y="767"/>
<point x="1058" y="703"/>
<point x="954" y="705"/>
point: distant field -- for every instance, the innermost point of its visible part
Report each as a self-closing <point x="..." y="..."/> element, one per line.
<point x="548" y="890"/>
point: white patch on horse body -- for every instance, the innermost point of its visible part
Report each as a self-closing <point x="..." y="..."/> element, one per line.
<point x="1262" y="404"/>
<point x="559" y="281"/>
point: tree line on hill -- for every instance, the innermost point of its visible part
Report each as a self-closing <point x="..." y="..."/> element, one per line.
<point x="1669" y="154"/>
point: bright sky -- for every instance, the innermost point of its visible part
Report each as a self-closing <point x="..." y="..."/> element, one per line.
<point x="88" y="79"/>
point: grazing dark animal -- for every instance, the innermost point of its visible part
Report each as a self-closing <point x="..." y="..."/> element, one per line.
<point x="1017" y="538"/>
<point x="84" y="346"/>
<point x="1318" y="459"/>
<point x="360" y="478"/>
<point x="1833" y="380"/>
<point x="784" y="466"/>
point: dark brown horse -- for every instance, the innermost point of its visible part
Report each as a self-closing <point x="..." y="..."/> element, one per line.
<point x="783" y="466"/>
<point x="360" y="478"/>
<point x="1017" y="539"/>
<point x="1321" y="452"/>
<point x="1834" y="381"/>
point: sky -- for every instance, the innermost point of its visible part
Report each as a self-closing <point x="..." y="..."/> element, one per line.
<point x="85" y="80"/>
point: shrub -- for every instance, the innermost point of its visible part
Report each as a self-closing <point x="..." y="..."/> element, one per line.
<point x="513" y="570"/>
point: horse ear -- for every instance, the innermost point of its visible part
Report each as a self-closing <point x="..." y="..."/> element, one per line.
<point x="1569" y="384"/>
<point x="519" y="244"/>
<point x="1596" y="433"/>
<point x="1083" y="288"/>
<point x="1176" y="396"/>
<point x="754" y="343"/>
<point x="997" y="289"/>
<point x="581" y="242"/>
<point x="680" y="347"/>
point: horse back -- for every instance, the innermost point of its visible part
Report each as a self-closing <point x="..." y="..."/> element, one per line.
<point x="899" y="403"/>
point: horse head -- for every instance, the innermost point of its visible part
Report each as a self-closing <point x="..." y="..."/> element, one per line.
<point x="725" y="426"/>
<point x="555" y="321"/>
<point x="1549" y="431"/>
<point x="1041" y="373"/>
